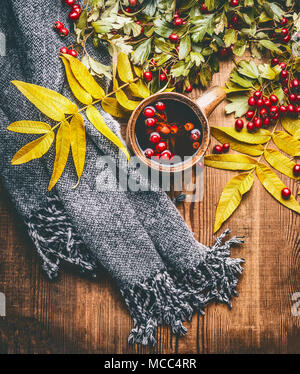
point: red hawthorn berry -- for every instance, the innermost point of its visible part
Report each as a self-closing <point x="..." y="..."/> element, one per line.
<point x="58" y="25"/>
<point x="292" y="97"/>
<point x="267" y="103"/>
<point x="235" y="19"/>
<point x="282" y="65"/>
<point x="163" y="77"/>
<point x="284" y="31"/>
<point x="251" y="101"/>
<point x="64" y="50"/>
<point x="284" y="21"/>
<point x="148" y="76"/>
<point x="74" y="15"/>
<point x="155" y="137"/>
<point x="150" y="122"/>
<point x="160" y="106"/>
<point x="291" y="108"/>
<point x="234" y="2"/>
<point x="257" y="123"/>
<point x="226" y="147"/>
<point x="166" y="155"/>
<point x="70" y="2"/>
<point x="73" y="53"/>
<point x="132" y="3"/>
<point x="63" y="31"/>
<point x="149" y="111"/>
<point x="239" y="124"/>
<point x="174" y="38"/>
<point x="217" y="149"/>
<point x="273" y="99"/>
<point x="283" y="109"/>
<point x="259" y="103"/>
<point x="250" y="127"/>
<point x="263" y="112"/>
<point x="296" y="170"/>
<point x="76" y="8"/>
<point x="266" y="122"/>
<point x="295" y="83"/>
<point x="189" y="88"/>
<point x="275" y="61"/>
<point x="149" y="152"/>
<point x="257" y="94"/>
<point x="287" y="38"/>
<point x="273" y="111"/>
<point x="286" y="193"/>
<point x="178" y="21"/>
<point x="203" y="8"/>
<point x="250" y="114"/>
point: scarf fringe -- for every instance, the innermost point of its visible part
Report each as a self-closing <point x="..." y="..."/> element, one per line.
<point x="153" y="302"/>
<point x="172" y="296"/>
<point x="214" y="279"/>
<point x="56" y="240"/>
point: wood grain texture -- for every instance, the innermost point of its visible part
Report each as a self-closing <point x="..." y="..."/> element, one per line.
<point x="79" y="315"/>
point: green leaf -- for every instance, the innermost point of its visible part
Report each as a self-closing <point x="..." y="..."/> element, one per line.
<point x="97" y="120"/>
<point x="142" y="52"/>
<point x="249" y="69"/>
<point x="270" y="45"/>
<point x="273" y="11"/>
<point x="139" y="89"/>
<point x="239" y="47"/>
<point x="239" y="105"/>
<point x="231" y="197"/>
<point x="184" y="47"/>
<point x="267" y="72"/>
<point x="230" y="37"/>
<point x="197" y="58"/>
<point x="236" y="145"/>
<point x="260" y="137"/>
<point x="202" y="25"/>
<point x="162" y="28"/>
<point x="230" y="162"/>
<point x="274" y="186"/>
<point x="286" y="143"/>
<point x="232" y="87"/>
<point x="236" y="78"/>
<point x="162" y="45"/>
<point x="280" y="162"/>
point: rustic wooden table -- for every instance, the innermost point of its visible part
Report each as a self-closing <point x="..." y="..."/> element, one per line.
<point x="75" y="314"/>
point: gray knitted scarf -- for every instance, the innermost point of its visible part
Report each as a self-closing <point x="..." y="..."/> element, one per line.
<point x="163" y="273"/>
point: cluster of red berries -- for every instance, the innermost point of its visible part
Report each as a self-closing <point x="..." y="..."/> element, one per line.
<point x="156" y="117"/>
<point x="75" y="10"/>
<point x="218" y="149"/>
<point x="59" y="26"/>
<point x="63" y="31"/>
<point x="72" y="52"/>
<point x="265" y="111"/>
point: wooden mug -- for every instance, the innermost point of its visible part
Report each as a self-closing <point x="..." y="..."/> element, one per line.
<point x="202" y="107"/>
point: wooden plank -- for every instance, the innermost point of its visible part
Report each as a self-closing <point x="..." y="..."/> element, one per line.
<point x="76" y="314"/>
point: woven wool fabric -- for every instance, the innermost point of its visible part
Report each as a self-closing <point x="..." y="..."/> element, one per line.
<point x="140" y="238"/>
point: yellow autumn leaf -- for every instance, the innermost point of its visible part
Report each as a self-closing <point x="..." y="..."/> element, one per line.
<point x="111" y="106"/>
<point x="78" y="143"/>
<point x="51" y="103"/>
<point x="231" y="197"/>
<point x="249" y="149"/>
<point x="139" y="89"/>
<point x="297" y="135"/>
<point x="124" y="68"/>
<point x="230" y="162"/>
<point x="63" y="143"/>
<point x="33" y="150"/>
<point x="274" y="185"/>
<point x="260" y="137"/>
<point x="291" y="125"/>
<point x="84" y="77"/>
<point x="138" y="71"/>
<point x="29" y="127"/>
<point x="280" y="162"/>
<point x="79" y="92"/>
<point x="97" y="120"/>
<point x="286" y="143"/>
<point x="125" y="102"/>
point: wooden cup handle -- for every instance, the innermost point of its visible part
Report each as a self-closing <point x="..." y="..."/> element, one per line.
<point x="210" y="100"/>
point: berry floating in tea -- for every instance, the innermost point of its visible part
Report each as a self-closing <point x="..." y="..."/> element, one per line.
<point x="166" y="129"/>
